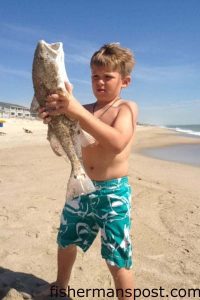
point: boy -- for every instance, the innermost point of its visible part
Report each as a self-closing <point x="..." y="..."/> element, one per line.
<point x="112" y="122"/>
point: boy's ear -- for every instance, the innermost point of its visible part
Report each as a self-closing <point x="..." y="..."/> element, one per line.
<point x="126" y="81"/>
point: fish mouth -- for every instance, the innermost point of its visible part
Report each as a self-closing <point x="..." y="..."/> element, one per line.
<point x="53" y="48"/>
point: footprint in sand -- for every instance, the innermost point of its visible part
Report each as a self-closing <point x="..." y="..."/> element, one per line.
<point x="54" y="229"/>
<point x="34" y="234"/>
<point x="4" y="218"/>
<point x="32" y="207"/>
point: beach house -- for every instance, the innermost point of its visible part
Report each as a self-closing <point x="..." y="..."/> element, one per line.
<point x="8" y="110"/>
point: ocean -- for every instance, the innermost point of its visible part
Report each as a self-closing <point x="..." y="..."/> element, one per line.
<point x="185" y="129"/>
<point x="182" y="153"/>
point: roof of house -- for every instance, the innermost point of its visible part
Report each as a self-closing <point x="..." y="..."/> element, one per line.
<point x="6" y="104"/>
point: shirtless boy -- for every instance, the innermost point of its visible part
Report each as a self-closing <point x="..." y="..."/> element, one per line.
<point x="112" y="122"/>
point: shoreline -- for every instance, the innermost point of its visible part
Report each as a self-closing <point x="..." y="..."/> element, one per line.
<point x="187" y="154"/>
<point x="13" y="134"/>
<point x="163" y="139"/>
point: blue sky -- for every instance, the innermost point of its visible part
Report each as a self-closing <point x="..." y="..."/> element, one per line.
<point x="163" y="34"/>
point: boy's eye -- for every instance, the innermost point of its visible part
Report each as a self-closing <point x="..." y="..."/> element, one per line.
<point x="95" y="77"/>
<point x="105" y="77"/>
<point x="108" y="77"/>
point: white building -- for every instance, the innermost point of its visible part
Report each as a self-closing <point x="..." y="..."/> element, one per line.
<point x="8" y="110"/>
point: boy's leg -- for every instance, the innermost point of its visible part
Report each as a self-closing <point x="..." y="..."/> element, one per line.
<point x="65" y="258"/>
<point x="123" y="279"/>
<point x="115" y="234"/>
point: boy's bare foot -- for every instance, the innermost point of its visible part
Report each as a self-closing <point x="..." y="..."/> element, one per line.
<point x="51" y="292"/>
<point x="43" y="292"/>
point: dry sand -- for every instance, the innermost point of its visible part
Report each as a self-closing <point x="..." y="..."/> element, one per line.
<point x="165" y="215"/>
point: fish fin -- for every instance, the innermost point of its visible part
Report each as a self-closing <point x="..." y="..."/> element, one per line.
<point x="85" y="138"/>
<point x="78" y="185"/>
<point x="54" y="143"/>
<point x="34" y="105"/>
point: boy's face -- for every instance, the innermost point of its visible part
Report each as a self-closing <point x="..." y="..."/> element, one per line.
<point x="107" y="84"/>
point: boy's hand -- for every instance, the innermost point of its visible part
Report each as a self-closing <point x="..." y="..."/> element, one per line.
<point x="43" y="114"/>
<point x="63" y="104"/>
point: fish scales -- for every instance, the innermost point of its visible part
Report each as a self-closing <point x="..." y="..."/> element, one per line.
<point x="64" y="134"/>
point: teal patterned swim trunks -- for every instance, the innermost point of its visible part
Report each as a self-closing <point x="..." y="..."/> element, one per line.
<point x="108" y="210"/>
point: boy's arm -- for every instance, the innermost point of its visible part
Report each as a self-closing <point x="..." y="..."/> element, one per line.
<point x="113" y="138"/>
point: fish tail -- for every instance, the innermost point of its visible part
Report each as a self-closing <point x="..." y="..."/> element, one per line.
<point x="79" y="184"/>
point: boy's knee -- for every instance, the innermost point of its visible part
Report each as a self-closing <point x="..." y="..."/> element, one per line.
<point x="117" y="272"/>
<point x="69" y="249"/>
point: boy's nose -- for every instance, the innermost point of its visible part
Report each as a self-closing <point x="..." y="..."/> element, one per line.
<point x="100" y="81"/>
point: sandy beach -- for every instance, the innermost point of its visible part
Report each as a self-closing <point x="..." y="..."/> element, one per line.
<point x="165" y="216"/>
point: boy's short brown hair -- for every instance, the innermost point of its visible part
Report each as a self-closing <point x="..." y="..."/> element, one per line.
<point x="115" y="57"/>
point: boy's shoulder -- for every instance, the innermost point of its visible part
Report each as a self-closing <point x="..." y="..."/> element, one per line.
<point x="132" y="105"/>
<point x="128" y="103"/>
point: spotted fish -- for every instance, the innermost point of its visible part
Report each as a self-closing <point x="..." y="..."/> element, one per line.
<point x="64" y="134"/>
